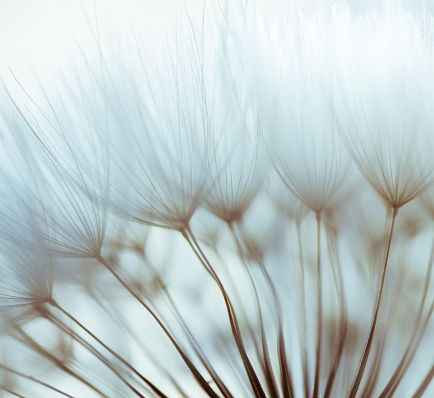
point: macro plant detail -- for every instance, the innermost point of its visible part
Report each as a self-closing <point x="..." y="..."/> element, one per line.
<point x="241" y="206"/>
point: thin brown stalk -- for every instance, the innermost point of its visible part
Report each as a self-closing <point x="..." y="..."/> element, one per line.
<point x="367" y="349"/>
<point x="425" y="383"/>
<point x="231" y="314"/>
<point x="374" y="373"/>
<point x="197" y="349"/>
<point x="315" y="393"/>
<point x="343" y="327"/>
<point x="117" y="317"/>
<point x="286" y="380"/>
<point x="192" y="340"/>
<point x="286" y="374"/>
<point x="414" y="350"/>
<point x="285" y="371"/>
<point x="250" y="329"/>
<point x="56" y="321"/>
<point x="399" y="369"/>
<point x="14" y="393"/>
<point x="305" y="364"/>
<point x="253" y="378"/>
<point x="34" y="379"/>
<point x="117" y="356"/>
<point x="25" y="338"/>
<point x="195" y="372"/>
<point x="265" y="357"/>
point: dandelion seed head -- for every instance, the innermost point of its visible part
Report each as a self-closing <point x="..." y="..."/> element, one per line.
<point x="27" y="280"/>
<point x="386" y="123"/>
<point x="136" y="140"/>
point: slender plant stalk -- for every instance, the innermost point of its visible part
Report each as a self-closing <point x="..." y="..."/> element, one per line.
<point x="250" y="329"/>
<point x="117" y="356"/>
<point x="425" y="383"/>
<point x="375" y="369"/>
<point x="192" y="340"/>
<point x="285" y="371"/>
<point x="367" y="349"/>
<point x="395" y="377"/>
<point x="198" y="376"/>
<point x="265" y="357"/>
<point x="286" y="374"/>
<point x="374" y="372"/>
<point x="14" y="393"/>
<point x="39" y="349"/>
<point x="197" y="349"/>
<point x="315" y="393"/>
<point x="116" y="316"/>
<point x="414" y="350"/>
<point x="333" y="252"/>
<point x="253" y="378"/>
<point x="34" y="379"/>
<point x="304" y="360"/>
<point x="56" y="321"/>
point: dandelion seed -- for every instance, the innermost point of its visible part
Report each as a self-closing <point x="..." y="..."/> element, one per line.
<point x="27" y="279"/>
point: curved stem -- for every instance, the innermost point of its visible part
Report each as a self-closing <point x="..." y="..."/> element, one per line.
<point x="25" y="338"/>
<point x="31" y="378"/>
<point x="197" y="348"/>
<point x="265" y="356"/>
<point x="200" y="379"/>
<point x="375" y="370"/>
<point x="117" y="356"/>
<point x="399" y="369"/>
<point x="57" y="322"/>
<point x="414" y="350"/>
<point x="420" y="391"/>
<point x="285" y="371"/>
<point x="121" y="320"/>
<point x="367" y="349"/>
<point x="253" y="378"/>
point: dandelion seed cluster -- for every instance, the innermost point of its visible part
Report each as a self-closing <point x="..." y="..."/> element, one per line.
<point x="243" y="209"/>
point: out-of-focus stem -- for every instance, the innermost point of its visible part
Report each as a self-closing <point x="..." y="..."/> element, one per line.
<point x="14" y="393"/>
<point x="367" y="349"/>
<point x="54" y="360"/>
<point x="414" y="350"/>
<point x="197" y="375"/>
<point x="375" y="370"/>
<point x="420" y="391"/>
<point x="116" y="316"/>
<point x="265" y="357"/>
<point x="342" y="336"/>
<point x="31" y="378"/>
<point x="315" y="393"/>
<point x="305" y="364"/>
<point x="56" y="321"/>
<point x="117" y="356"/>
<point x="400" y="370"/>
<point x="253" y="378"/>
